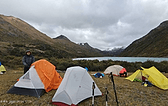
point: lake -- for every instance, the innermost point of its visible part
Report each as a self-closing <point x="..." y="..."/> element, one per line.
<point x="128" y="59"/>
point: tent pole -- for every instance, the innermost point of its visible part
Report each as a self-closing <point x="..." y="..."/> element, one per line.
<point x="35" y="90"/>
<point x="141" y="73"/>
<point x="93" y="87"/>
<point x="34" y="86"/>
<point x="114" y="88"/>
<point x="106" y="96"/>
<point x="141" y="76"/>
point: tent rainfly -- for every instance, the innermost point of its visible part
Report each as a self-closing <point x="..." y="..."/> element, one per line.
<point x="41" y="77"/>
<point x="153" y="75"/>
<point x="2" y="69"/>
<point x="115" y="69"/>
<point x="98" y="75"/>
<point x="75" y="87"/>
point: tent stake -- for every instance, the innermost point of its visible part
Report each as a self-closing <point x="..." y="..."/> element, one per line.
<point x="93" y="87"/>
<point x="114" y="88"/>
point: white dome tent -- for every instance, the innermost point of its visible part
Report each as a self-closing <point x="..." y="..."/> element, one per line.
<point x="115" y="69"/>
<point x="75" y="87"/>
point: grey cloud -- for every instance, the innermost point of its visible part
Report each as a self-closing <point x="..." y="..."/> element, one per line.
<point x="102" y="23"/>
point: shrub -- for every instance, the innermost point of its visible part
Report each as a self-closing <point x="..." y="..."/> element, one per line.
<point x="92" y="65"/>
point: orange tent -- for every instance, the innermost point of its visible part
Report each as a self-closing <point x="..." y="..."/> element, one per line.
<point x="48" y="74"/>
<point x="40" y="78"/>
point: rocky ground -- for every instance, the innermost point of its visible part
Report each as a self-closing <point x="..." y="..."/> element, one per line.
<point x="128" y="93"/>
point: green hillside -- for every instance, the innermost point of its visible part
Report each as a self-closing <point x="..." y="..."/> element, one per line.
<point x="18" y="36"/>
<point x="154" y="44"/>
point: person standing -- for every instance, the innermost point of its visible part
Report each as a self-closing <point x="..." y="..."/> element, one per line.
<point x="27" y="60"/>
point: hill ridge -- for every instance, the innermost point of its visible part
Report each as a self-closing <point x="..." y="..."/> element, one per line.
<point x="153" y="44"/>
<point x="17" y="36"/>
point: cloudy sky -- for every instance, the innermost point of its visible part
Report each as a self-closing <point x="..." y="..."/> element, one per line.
<point x="103" y="24"/>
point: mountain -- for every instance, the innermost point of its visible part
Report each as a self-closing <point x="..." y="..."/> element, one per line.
<point x="15" y="30"/>
<point x="62" y="37"/>
<point x="82" y="51"/>
<point x="113" y="52"/>
<point x="16" y="36"/>
<point x="154" y="44"/>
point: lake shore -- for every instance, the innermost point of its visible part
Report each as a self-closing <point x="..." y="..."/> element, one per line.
<point x="127" y="59"/>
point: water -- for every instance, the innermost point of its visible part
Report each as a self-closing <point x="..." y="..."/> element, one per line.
<point x="128" y="59"/>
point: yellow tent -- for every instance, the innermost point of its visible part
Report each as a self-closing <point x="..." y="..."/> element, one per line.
<point x="2" y="69"/>
<point x="153" y="75"/>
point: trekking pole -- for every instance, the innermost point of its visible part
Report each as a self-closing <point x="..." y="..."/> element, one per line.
<point x="93" y="87"/>
<point x="106" y="96"/>
<point x="114" y="88"/>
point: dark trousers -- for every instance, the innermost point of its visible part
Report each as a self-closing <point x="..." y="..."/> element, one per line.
<point x="26" y="68"/>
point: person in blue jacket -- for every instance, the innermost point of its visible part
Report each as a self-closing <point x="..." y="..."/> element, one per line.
<point x="27" y="60"/>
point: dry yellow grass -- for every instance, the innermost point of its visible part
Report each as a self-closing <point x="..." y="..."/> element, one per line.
<point x="129" y="93"/>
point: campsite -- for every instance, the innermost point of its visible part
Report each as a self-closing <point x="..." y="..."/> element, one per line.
<point x="128" y="93"/>
<point x="40" y="39"/>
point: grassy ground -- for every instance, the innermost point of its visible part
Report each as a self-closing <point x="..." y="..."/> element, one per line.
<point x="128" y="93"/>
